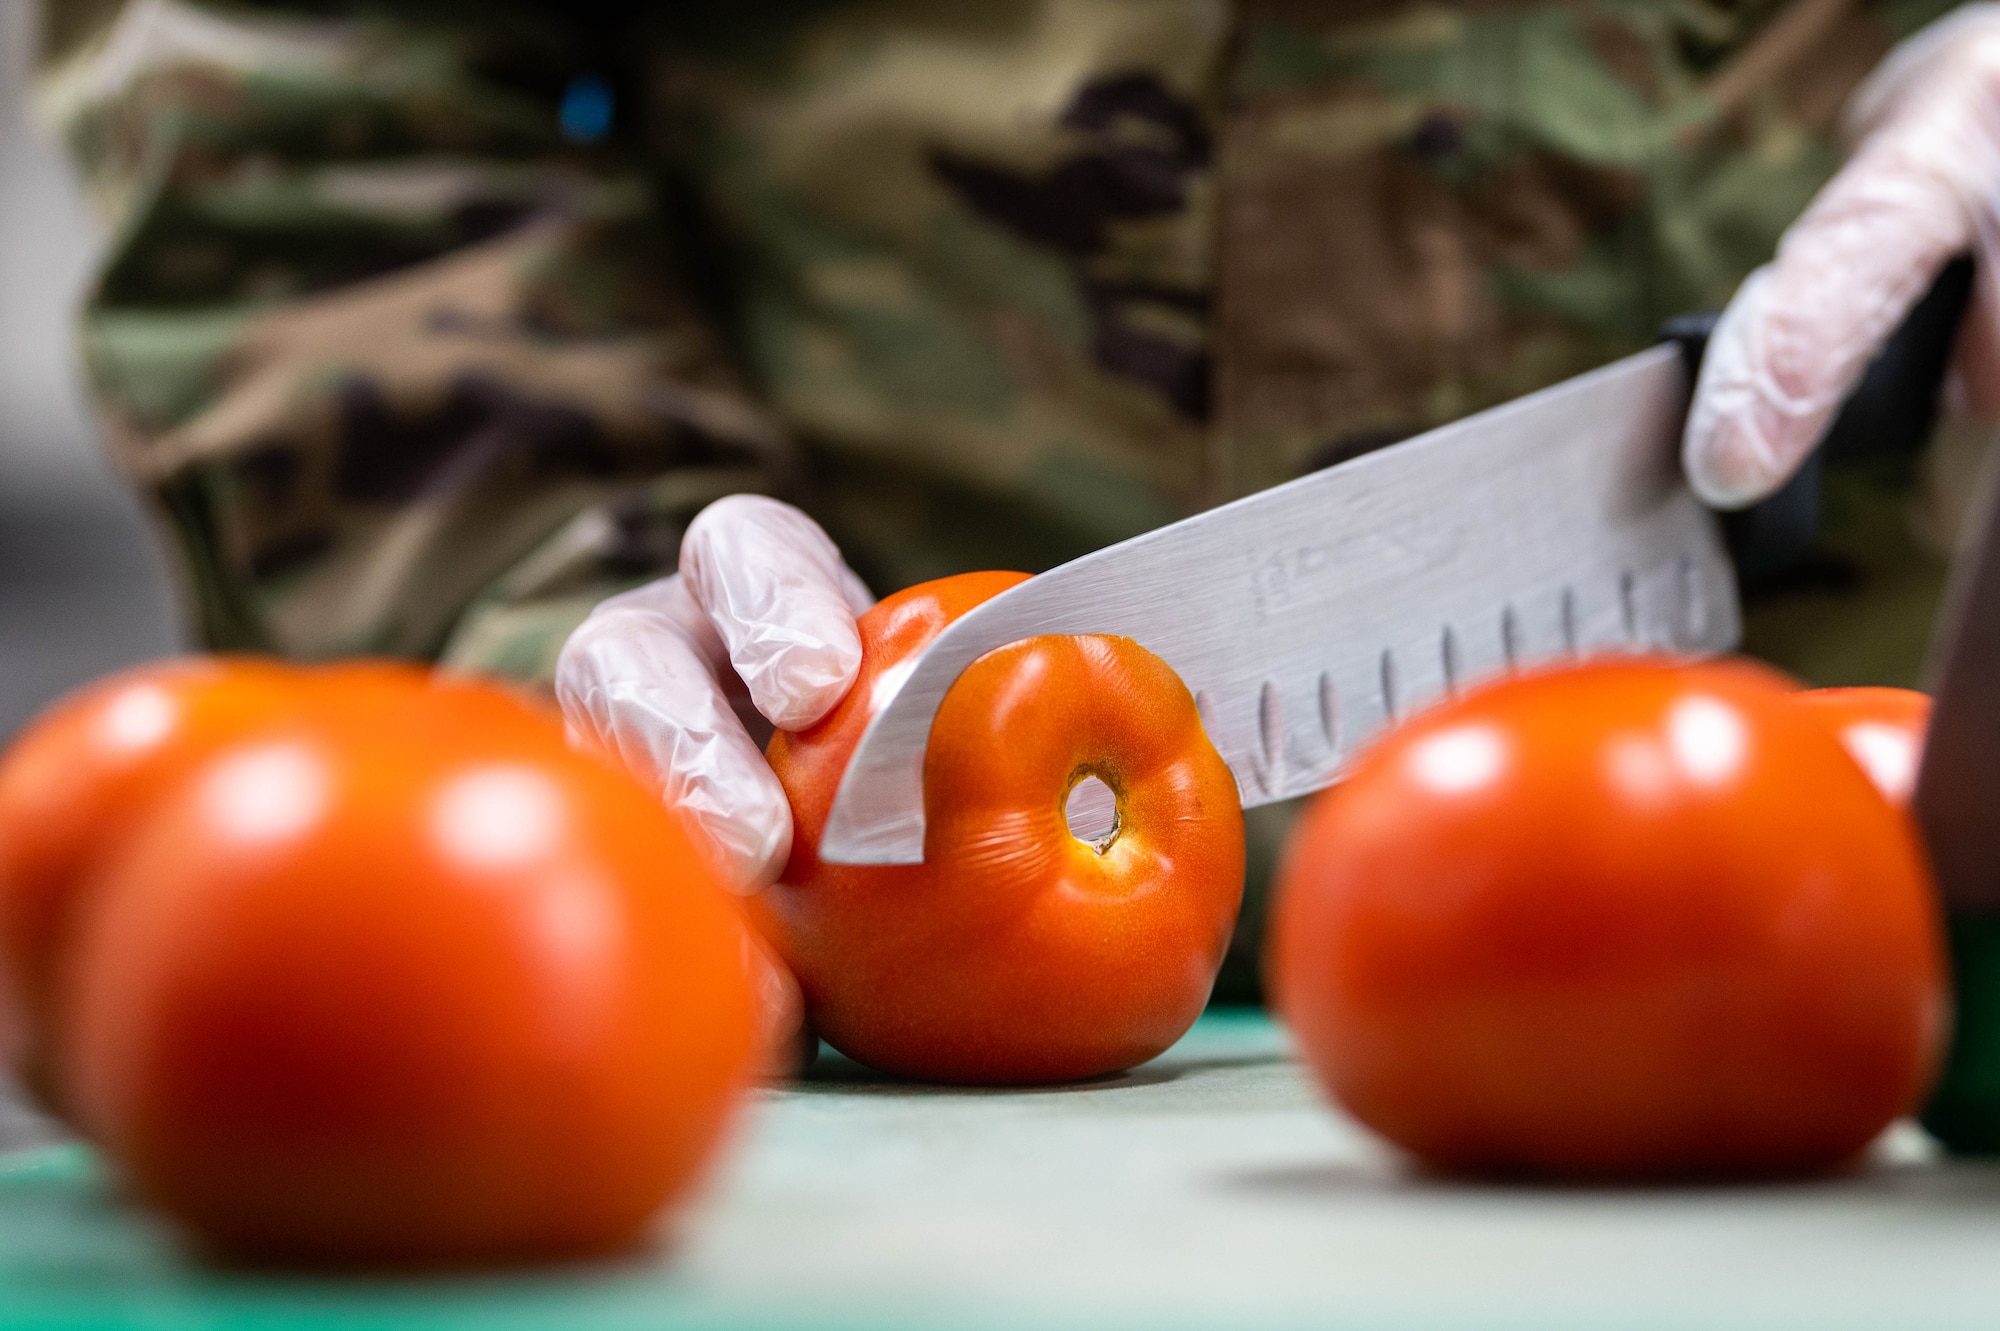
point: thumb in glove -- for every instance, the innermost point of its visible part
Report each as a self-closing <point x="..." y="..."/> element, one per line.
<point x="1922" y="184"/>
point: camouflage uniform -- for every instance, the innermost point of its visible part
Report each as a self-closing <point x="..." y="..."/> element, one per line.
<point x="983" y="284"/>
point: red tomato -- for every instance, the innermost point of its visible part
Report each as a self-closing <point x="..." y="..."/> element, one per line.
<point x="1015" y="952"/>
<point x="75" y="783"/>
<point x="1883" y="729"/>
<point x="1631" y="918"/>
<point x="427" y="989"/>
<point x="375" y="690"/>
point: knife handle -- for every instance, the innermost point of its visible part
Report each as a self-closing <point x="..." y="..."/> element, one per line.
<point x="1890" y="411"/>
<point x="1957" y="792"/>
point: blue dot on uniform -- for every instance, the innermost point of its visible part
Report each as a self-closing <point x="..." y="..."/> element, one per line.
<point x="586" y="109"/>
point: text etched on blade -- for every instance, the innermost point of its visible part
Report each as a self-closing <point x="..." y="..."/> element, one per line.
<point x="1287" y="578"/>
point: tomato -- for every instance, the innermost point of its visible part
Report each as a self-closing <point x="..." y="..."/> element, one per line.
<point x="1882" y="728"/>
<point x="71" y="787"/>
<point x="374" y="690"/>
<point x="427" y="989"/>
<point x="1015" y="952"/>
<point x="1625" y="919"/>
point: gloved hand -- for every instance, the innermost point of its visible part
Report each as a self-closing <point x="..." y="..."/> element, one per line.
<point x="683" y="677"/>
<point x="1921" y="184"/>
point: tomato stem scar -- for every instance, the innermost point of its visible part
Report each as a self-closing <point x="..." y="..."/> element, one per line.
<point x="1094" y="809"/>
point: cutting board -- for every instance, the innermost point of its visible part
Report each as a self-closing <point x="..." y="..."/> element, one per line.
<point x="1210" y="1188"/>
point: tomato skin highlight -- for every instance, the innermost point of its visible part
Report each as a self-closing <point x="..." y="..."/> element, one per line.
<point x="432" y="990"/>
<point x="74" y="785"/>
<point x="1627" y="919"/>
<point x="1015" y="953"/>
<point x="1882" y="728"/>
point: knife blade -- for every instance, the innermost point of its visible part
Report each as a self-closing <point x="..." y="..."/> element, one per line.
<point x="1307" y="617"/>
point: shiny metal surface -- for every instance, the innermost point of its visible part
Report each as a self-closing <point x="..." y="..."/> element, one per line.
<point x="1308" y="616"/>
<point x="1958" y="785"/>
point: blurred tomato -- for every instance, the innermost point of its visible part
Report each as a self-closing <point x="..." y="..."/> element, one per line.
<point x="1630" y="918"/>
<point x="426" y="989"/>
<point x="377" y="692"/>
<point x="74" y="785"/>
<point x="1882" y="728"/>
<point x="1015" y="952"/>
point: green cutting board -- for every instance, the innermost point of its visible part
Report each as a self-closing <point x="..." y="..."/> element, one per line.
<point x="1210" y="1188"/>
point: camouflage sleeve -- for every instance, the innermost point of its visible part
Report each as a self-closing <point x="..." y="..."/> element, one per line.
<point x="406" y="370"/>
<point x="1430" y="209"/>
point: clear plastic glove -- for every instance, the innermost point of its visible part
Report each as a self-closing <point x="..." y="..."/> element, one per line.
<point x="1921" y="184"/>
<point x="683" y="677"/>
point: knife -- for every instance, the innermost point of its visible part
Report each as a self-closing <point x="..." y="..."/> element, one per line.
<point x="1307" y="617"/>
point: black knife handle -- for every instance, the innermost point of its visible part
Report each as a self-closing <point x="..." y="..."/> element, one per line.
<point x="1892" y="410"/>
